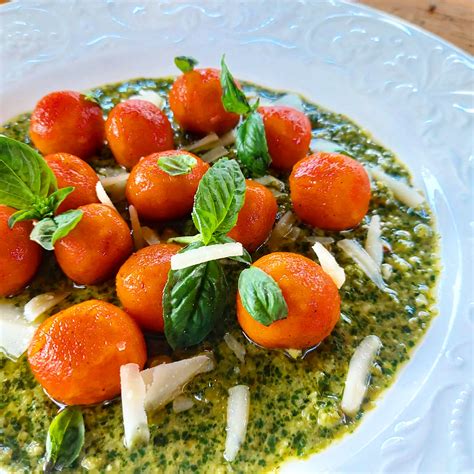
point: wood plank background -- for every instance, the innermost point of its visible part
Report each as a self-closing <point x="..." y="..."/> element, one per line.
<point x="453" y="20"/>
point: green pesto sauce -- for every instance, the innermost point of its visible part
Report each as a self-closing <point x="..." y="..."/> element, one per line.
<point x="295" y="404"/>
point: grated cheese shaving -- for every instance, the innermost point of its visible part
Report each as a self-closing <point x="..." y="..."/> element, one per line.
<point x="115" y="186"/>
<point x="138" y="240"/>
<point x="373" y="242"/>
<point x="228" y="138"/>
<point x="151" y="236"/>
<point x="149" y="96"/>
<point x="103" y="196"/>
<point x="206" y="254"/>
<point x="42" y="303"/>
<point x="214" y="154"/>
<point x="182" y="403"/>
<point x="238" y="406"/>
<point x="402" y="191"/>
<point x="235" y="346"/>
<point x="209" y="141"/>
<point x="330" y="265"/>
<point x="358" y="374"/>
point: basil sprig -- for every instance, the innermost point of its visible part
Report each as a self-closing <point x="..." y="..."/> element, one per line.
<point x="218" y="200"/>
<point x="251" y="142"/>
<point x="195" y="297"/>
<point x="28" y="185"/>
<point x="178" y="164"/>
<point x="185" y="63"/>
<point x="65" y="439"/>
<point x="261" y="296"/>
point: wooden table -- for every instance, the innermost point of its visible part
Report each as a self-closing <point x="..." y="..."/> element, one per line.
<point x="452" y="20"/>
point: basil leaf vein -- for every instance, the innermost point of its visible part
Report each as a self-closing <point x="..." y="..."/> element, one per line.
<point x="176" y="165"/>
<point x="65" y="439"/>
<point x="251" y="144"/>
<point x="261" y="296"/>
<point x="185" y="63"/>
<point x="218" y="200"/>
<point x="194" y="298"/>
<point x="233" y="99"/>
<point x="50" y="229"/>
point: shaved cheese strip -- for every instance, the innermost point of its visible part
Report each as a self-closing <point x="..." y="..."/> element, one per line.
<point x="138" y="240"/>
<point x="402" y="191"/>
<point x="290" y="100"/>
<point x="103" y="196"/>
<point x="135" y="421"/>
<point x="15" y="332"/>
<point x="329" y="264"/>
<point x="166" y="381"/>
<point x="312" y="239"/>
<point x="182" y="403"/>
<point x="284" y="231"/>
<point x="238" y="407"/>
<point x="115" y="186"/>
<point x="357" y="376"/>
<point x="215" y="154"/>
<point x="206" y="254"/>
<point x="365" y="262"/>
<point x="228" y="138"/>
<point x="271" y="181"/>
<point x="42" y="303"/>
<point x="319" y="144"/>
<point x="209" y="141"/>
<point x="150" y="236"/>
<point x="373" y="243"/>
<point x="149" y="96"/>
<point x="235" y="346"/>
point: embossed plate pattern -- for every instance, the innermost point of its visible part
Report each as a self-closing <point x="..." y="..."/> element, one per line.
<point x="413" y="91"/>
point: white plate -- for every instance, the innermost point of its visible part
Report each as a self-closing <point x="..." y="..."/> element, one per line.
<point x="412" y="90"/>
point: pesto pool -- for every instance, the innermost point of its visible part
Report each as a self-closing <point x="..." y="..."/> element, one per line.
<point x="295" y="404"/>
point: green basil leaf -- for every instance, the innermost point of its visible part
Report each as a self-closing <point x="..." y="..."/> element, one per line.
<point x="218" y="200"/>
<point x="65" y="439"/>
<point x="24" y="215"/>
<point x="185" y="63"/>
<point x="261" y="296"/>
<point x="55" y="199"/>
<point x="91" y="96"/>
<point x="50" y="229"/>
<point x="251" y="144"/>
<point x="185" y="239"/>
<point x="224" y="239"/>
<point x="178" y="164"/>
<point x="233" y="99"/>
<point x="193" y="300"/>
<point x="25" y="177"/>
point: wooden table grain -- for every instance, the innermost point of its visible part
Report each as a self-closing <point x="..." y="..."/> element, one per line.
<point x="452" y="20"/>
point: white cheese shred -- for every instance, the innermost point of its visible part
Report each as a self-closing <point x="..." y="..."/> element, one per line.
<point x="238" y="406"/>
<point x="209" y="141"/>
<point x="214" y="154"/>
<point x="182" y="403"/>
<point x="137" y="233"/>
<point x="358" y="375"/>
<point x="402" y="191"/>
<point x="115" y="186"/>
<point x="135" y="421"/>
<point x="42" y="303"/>
<point x="319" y="144"/>
<point x="235" y="346"/>
<point x="103" y="196"/>
<point x="271" y="182"/>
<point x="228" y="138"/>
<point x="329" y="264"/>
<point x="373" y="242"/>
<point x="165" y="382"/>
<point x="150" y="96"/>
<point x="284" y="231"/>
<point x="365" y="262"/>
<point x="150" y="236"/>
<point x="206" y="254"/>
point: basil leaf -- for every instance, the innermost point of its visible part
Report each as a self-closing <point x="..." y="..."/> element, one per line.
<point x="23" y="215"/>
<point x="233" y="99"/>
<point x="178" y="164"/>
<point x="185" y="239"/>
<point x="25" y="177"/>
<point x="218" y="200"/>
<point x="55" y="199"/>
<point x="65" y="439"/>
<point x="261" y="296"/>
<point x="224" y="239"/>
<point x="91" y="96"/>
<point x="185" y="63"/>
<point x="50" y="229"/>
<point x="251" y="144"/>
<point x="193" y="299"/>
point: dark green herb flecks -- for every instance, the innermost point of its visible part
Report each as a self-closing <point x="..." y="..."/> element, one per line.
<point x="295" y="404"/>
